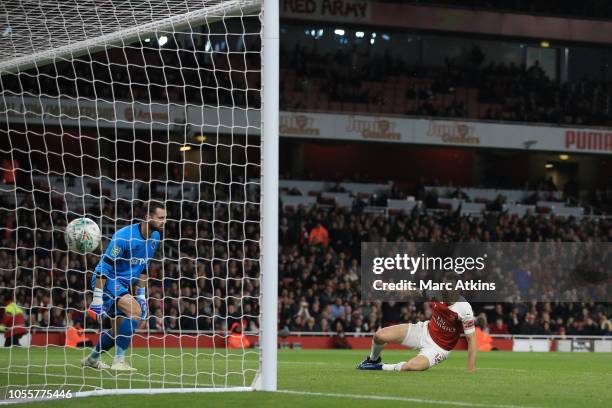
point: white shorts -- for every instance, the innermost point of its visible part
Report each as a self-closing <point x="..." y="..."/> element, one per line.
<point x="418" y="338"/>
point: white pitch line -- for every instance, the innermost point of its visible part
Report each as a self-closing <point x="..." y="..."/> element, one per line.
<point x="357" y="396"/>
<point x="402" y="399"/>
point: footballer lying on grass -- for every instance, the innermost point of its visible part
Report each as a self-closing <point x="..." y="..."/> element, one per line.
<point x="122" y="269"/>
<point x="434" y="338"/>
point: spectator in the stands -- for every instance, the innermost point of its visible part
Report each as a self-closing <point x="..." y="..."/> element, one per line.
<point x="13" y="324"/>
<point x="156" y="321"/>
<point x="311" y="325"/>
<point x="514" y="325"/>
<point x="606" y="327"/>
<point x="499" y="327"/>
<point x="530" y="325"/>
<point x="337" y="309"/>
<point x="318" y="235"/>
<point x="324" y="325"/>
<point x="590" y="327"/>
<point x="339" y="341"/>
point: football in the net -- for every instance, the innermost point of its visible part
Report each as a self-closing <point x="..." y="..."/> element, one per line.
<point x="82" y="235"/>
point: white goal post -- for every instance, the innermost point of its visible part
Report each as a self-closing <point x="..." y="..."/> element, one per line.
<point x="106" y="105"/>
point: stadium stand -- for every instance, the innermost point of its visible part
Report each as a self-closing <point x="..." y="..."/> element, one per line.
<point x="319" y="279"/>
<point x="314" y="80"/>
<point x="390" y="84"/>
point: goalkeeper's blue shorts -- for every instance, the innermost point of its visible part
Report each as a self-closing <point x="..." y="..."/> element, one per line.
<point x="113" y="291"/>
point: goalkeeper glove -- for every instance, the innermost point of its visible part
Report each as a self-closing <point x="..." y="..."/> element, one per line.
<point x="97" y="305"/>
<point x="142" y="301"/>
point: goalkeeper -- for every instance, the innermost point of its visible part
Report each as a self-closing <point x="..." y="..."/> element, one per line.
<point x="123" y="267"/>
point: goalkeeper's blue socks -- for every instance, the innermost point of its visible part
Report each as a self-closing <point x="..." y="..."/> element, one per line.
<point x="105" y="343"/>
<point x="127" y="328"/>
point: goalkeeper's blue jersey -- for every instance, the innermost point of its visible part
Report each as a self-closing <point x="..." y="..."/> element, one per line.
<point x="128" y="254"/>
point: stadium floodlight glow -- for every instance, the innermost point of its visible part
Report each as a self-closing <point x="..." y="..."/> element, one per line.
<point x="564" y="157"/>
<point x="372" y="41"/>
<point x="549" y="165"/>
<point x="544" y="44"/>
<point x="320" y="32"/>
<point x="147" y="40"/>
<point x="359" y="34"/>
<point x="339" y="31"/>
<point x="386" y="37"/>
<point x="373" y="35"/>
<point x="145" y="108"/>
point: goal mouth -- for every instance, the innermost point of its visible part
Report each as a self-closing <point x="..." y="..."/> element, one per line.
<point x="106" y="107"/>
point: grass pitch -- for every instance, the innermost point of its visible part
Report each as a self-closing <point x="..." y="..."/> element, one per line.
<point x="321" y="378"/>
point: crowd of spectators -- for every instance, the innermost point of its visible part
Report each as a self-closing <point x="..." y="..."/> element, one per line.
<point x="321" y="283"/>
<point x="529" y="95"/>
<point x="208" y="278"/>
<point x="506" y="92"/>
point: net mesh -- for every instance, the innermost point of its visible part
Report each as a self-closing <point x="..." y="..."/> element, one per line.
<point x="104" y="106"/>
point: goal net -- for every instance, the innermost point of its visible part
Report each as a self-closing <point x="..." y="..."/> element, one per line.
<point x="104" y="107"/>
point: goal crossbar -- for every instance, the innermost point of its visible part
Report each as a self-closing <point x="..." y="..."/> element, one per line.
<point x="211" y="13"/>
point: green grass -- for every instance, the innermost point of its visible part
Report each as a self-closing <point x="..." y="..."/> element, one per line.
<point x="503" y="379"/>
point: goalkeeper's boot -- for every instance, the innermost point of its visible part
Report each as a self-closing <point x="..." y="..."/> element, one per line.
<point x="121" y="365"/>
<point x="94" y="363"/>
<point x="369" y="364"/>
